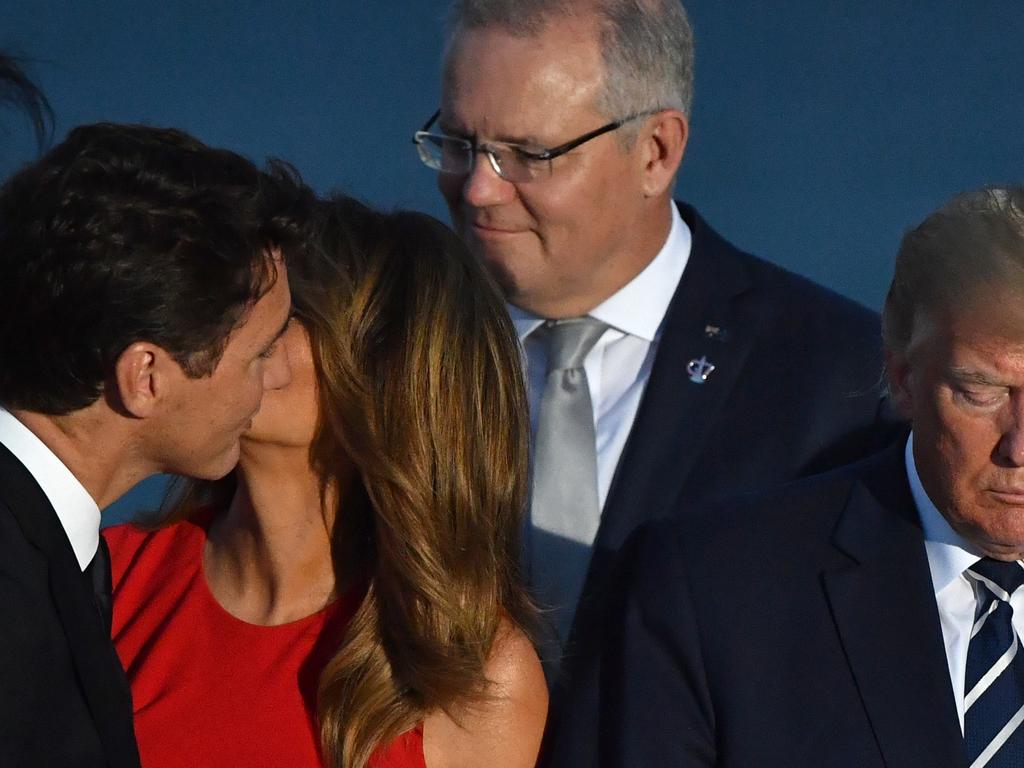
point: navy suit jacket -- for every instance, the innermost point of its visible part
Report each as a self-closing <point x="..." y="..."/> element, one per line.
<point x="796" y="390"/>
<point x="794" y="628"/>
<point x="64" y="700"/>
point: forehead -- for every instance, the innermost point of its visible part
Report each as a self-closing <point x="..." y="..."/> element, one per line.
<point x="497" y="83"/>
<point x="986" y="333"/>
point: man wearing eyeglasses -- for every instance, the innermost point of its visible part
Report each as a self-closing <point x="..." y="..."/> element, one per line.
<point x="663" y="363"/>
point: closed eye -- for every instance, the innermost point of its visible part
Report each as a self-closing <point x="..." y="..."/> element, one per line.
<point x="272" y="347"/>
<point x="982" y="397"/>
<point x="529" y="155"/>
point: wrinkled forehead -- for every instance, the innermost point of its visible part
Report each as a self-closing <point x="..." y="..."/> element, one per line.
<point x="986" y="317"/>
<point x="493" y="67"/>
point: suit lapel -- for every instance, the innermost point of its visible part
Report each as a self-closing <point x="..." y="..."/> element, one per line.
<point x="707" y="318"/>
<point x="883" y="605"/>
<point x="102" y="681"/>
<point x="704" y="320"/>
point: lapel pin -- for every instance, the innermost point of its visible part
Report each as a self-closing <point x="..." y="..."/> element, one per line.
<point x="699" y="370"/>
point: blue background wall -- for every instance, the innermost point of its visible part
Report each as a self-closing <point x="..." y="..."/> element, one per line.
<point x="822" y="129"/>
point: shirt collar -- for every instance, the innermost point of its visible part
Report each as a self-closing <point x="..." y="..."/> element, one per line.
<point x="77" y="511"/>
<point x="525" y="322"/>
<point x="949" y="554"/>
<point x="639" y="306"/>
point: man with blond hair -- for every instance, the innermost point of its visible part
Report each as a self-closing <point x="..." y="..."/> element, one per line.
<point x="871" y="616"/>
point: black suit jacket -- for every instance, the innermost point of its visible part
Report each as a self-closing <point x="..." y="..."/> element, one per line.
<point x="64" y="700"/>
<point x="796" y="390"/>
<point x="797" y="628"/>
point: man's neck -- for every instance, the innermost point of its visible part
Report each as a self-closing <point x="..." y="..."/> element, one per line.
<point x="93" y="448"/>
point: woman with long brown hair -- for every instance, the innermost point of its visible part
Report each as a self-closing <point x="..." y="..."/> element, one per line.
<point x="349" y="596"/>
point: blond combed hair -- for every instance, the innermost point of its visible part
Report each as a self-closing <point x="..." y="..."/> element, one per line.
<point x="971" y="247"/>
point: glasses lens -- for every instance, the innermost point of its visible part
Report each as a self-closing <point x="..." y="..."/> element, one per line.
<point x="516" y="164"/>
<point x="444" y="153"/>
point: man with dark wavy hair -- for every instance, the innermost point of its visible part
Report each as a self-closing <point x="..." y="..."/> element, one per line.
<point x="142" y="294"/>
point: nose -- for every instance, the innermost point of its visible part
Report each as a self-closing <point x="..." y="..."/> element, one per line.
<point x="483" y="186"/>
<point x="277" y="371"/>
<point x="1011" y="443"/>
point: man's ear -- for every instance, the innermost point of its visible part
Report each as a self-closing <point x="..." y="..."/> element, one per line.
<point x="663" y="141"/>
<point x="898" y="371"/>
<point x="143" y="374"/>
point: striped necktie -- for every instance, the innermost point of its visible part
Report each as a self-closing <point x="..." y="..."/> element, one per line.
<point x="994" y="683"/>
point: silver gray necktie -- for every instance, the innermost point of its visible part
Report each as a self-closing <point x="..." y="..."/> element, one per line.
<point x="564" y="507"/>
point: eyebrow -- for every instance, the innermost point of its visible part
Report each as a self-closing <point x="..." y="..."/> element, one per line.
<point x="525" y="141"/>
<point x="971" y="376"/>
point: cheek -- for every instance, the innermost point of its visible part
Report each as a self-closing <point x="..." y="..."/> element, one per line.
<point x="560" y="215"/>
<point x="592" y="205"/>
<point x="248" y="389"/>
<point x="965" y="441"/>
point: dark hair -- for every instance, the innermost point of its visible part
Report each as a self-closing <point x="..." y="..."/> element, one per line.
<point x="18" y="90"/>
<point x="126" y="233"/>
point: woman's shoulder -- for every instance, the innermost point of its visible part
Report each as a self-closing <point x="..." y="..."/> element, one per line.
<point x="514" y="662"/>
<point x="506" y="726"/>
<point x="135" y="548"/>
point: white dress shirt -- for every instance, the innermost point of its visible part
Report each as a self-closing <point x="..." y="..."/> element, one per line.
<point x="949" y="555"/>
<point x="619" y="364"/>
<point x="77" y="511"/>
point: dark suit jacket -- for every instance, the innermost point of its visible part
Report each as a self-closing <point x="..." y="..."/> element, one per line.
<point x="796" y="390"/>
<point x="796" y="628"/>
<point x="64" y="700"/>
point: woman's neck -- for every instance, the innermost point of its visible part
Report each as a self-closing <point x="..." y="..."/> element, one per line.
<point x="268" y="556"/>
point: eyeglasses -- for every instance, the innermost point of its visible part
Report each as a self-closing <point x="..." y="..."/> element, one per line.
<point x="513" y="162"/>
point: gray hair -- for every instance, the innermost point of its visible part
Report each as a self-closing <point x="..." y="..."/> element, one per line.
<point x="975" y="241"/>
<point x="646" y="45"/>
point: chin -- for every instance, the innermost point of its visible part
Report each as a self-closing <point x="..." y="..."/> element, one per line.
<point x="216" y="469"/>
<point x="503" y="275"/>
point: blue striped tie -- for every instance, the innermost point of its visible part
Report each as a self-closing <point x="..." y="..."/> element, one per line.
<point x="994" y="683"/>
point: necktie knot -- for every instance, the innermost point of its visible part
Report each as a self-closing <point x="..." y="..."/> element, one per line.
<point x="1006" y="576"/>
<point x="570" y="341"/>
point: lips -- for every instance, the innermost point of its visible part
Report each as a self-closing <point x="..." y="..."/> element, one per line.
<point x="493" y="229"/>
<point x="1013" y="496"/>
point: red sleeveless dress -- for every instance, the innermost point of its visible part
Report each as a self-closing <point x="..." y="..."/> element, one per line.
<point x="209" y="689"/>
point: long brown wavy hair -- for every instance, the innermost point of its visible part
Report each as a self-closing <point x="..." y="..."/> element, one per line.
<point x="420" y="384"/>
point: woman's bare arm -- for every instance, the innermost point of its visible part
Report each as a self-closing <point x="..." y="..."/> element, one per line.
<point x="504" y="730"/>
